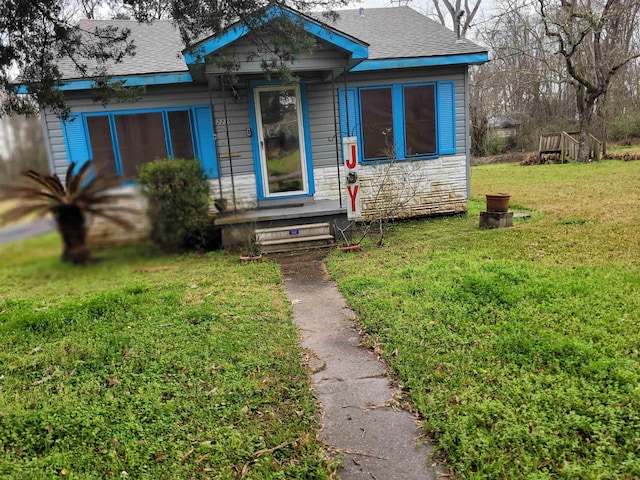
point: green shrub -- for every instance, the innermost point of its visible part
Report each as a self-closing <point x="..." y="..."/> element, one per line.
<point x="178" y="193"/>
<point x="625" y="127"/>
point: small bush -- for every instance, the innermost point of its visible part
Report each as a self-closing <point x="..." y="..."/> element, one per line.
<point x="625" y="127"/>
<point x="178" y="193"/>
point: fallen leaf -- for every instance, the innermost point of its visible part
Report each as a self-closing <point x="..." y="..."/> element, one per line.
<point x="112" y="382"/>
<point x="128" y="353"/>
<point x="203" y="458"/>
<point x="186" y="455"/>
<point x="64" y="472"/>
<point x="42" y="380"/>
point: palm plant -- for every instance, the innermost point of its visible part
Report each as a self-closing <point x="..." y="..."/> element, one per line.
<point x="85" y="192"/>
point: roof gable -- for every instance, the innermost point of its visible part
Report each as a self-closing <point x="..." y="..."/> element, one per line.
<point x="357" y="49"/>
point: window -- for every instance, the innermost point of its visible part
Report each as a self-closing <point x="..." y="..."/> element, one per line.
<point x="408" y="120"/>
<point x="377" y="122"/>
<point x="120" y="141"/>
<point x="139" y="138"/>
<point x="419" y="120"/>
<point x="180" y="132"/>
<point x="102" y="144"/>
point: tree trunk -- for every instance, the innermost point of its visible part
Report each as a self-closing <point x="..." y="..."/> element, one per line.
<point x="586" y="107"/>
<point x="71" y="224"/>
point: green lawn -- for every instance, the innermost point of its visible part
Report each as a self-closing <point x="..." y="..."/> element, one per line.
<point x="519" y="347"/>
<point x="148" y="366"/>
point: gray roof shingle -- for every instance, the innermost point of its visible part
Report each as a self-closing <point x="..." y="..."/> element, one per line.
<point x="398" y="32"/>
<point x="158" y="46"/>
<point x="401" y="32"/>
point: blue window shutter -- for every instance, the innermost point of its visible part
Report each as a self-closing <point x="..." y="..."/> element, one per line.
<point x="446" y="104"/>
<point x="348" y="105"/>
<point x="76" y="139"/>
<point x="206" y="146"/>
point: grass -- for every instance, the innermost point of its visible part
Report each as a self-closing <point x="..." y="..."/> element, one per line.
<point x="519" y="347"/>
<point x="149" y="366"/>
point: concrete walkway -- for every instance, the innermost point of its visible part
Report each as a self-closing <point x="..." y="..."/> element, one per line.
<point x="26" y="230"/>
<point x="351" y="384"/>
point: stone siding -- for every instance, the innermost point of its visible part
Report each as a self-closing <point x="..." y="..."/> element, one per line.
<point x="105" y="233"/>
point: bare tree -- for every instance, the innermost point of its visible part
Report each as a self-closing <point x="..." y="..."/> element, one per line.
<point x="23" y="147"/>
<point x="458" y="12"/>
<point x="595" y="40"/>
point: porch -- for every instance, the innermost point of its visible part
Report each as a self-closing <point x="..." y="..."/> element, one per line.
<point x="296" y="218"/>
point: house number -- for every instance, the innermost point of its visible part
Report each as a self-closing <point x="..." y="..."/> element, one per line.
<point x="223" y="121"/>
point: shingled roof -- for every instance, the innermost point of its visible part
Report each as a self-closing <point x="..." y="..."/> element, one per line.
<point x="392" y="33"/>
<point x="402" y="32"/>
<point x="158" y="47"/>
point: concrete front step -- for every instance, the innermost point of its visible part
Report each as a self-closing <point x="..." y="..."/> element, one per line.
<point x="293" y="231"/>
<point x="295" y="237"/>
<point x="307" y="244"/>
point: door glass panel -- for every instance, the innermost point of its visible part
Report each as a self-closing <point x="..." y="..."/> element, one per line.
<point x="281" y="137"/>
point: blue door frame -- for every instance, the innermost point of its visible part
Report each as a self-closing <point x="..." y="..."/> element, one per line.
<point x="255" y="140"/>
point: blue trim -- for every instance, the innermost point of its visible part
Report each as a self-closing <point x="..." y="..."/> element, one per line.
<point x="197" y="53"/>
<point x="446" y="117"/>
<point x="76" y="139"/>
<point x="397" y="105"/>
<point x="130" y="81"/>
<point x="257" y="163"/>
<point x="167" y="134"/>
<point x="205" y="146"/>
<point x="255" y="141"/>
<point x="114" y="143"/>
<point x="389" y="63"/>
<point x="307" y="139"/>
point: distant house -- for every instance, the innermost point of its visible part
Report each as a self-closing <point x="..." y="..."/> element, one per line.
<point x="390" y="78"/>
<point x="504" y="127"/>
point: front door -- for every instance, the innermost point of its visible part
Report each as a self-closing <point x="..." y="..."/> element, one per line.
<point x="281" y="141"/>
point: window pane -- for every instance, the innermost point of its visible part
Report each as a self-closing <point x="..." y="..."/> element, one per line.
<point x="180" y="134"/>
<point x="140" y="139"/>
<point x="419" y="120"/>
<point x="101" y="144"/>
<point x="377" y="122"/>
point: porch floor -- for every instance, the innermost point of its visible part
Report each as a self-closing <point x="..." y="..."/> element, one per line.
<point x="313" y="209"/>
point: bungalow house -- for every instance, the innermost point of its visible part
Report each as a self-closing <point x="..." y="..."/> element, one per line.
<point x="385" y="82"/>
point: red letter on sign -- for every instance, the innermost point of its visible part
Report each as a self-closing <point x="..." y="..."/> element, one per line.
<point x="352" y="162"/>
<point x="353" y="195"/>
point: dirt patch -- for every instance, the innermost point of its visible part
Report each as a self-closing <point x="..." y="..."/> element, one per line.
<point x="512" y="157"/>
<point x="304" y="256"/>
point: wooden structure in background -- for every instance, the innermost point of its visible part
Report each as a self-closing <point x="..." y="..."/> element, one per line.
<point x="564" y="146"/>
